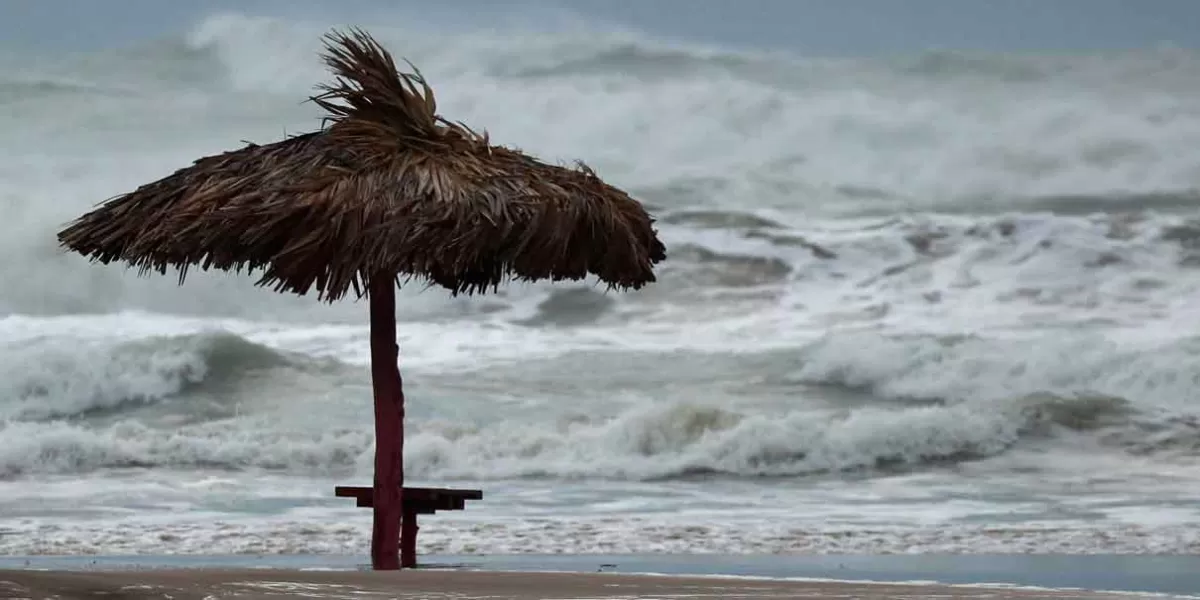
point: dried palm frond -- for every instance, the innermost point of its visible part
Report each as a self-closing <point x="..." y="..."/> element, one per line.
<point x="386" y="189"/>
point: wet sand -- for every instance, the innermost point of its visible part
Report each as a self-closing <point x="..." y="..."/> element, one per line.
<point x="251" y="584"/>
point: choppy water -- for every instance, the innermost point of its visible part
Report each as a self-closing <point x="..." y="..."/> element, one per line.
<point x="940" y="302"/>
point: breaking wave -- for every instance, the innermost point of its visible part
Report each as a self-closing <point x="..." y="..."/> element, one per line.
<point x="908" y="403"/>
<point x="53" y="378"/>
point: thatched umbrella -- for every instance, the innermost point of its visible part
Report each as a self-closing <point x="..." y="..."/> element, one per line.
<point x="386" y="191"/>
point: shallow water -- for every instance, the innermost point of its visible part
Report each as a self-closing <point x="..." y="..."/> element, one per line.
<point x="1158" y="575"/>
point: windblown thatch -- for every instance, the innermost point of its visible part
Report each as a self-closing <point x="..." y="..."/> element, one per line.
<point x="387" y="188"/>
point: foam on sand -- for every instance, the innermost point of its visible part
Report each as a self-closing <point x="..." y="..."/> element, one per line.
<point x="215" y="584"/>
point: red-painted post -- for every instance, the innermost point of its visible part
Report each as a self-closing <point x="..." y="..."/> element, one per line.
<point x="389" y="426"/>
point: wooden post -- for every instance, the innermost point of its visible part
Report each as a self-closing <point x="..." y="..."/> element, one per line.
<point x="408" y="539"/>
<point x="389" y="426"/>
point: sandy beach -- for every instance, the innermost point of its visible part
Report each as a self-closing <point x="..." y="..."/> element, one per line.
<point x="214" y="584"/>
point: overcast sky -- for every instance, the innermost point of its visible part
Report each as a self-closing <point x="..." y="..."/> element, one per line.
<point x="809" y="26"/>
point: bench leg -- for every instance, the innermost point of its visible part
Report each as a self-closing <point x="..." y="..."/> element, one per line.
<point x="408" y="540"/>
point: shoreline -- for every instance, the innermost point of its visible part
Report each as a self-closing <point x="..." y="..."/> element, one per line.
<point x="1159" y="576"/>
<point x="254" y="584"/>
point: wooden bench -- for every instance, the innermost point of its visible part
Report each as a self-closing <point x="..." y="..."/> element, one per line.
<point x="414" y="501"/>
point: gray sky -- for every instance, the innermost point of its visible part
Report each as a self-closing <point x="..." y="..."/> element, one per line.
<point x="811" y="26"/>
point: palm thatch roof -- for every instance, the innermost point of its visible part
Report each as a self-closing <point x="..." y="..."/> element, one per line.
<point x="386" y="188"/>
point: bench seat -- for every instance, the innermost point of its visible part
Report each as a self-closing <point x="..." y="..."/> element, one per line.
<point x="414" y="501"/>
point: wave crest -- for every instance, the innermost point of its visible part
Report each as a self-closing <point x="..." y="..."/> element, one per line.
<point x="55" y="378"/>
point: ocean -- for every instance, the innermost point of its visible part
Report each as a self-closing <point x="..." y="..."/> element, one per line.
<point x="926" y="303"/>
